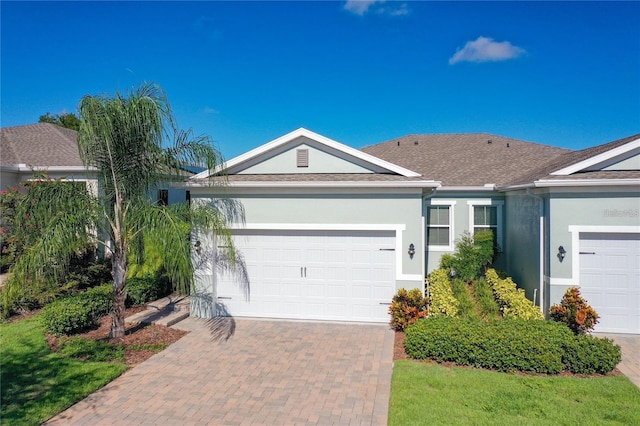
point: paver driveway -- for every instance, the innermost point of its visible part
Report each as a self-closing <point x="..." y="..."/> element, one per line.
<point x="265" y="372"/>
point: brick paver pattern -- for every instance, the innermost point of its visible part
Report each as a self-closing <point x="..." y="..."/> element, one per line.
<point x="253" y="372"/>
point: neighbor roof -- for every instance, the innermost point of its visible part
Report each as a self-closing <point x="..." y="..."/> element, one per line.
<point x="39" y="145"/>
<point x="475" y="159"/>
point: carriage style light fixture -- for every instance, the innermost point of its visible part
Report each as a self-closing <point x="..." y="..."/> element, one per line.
<point x="198" y="246"/>
<point x="561" y="253"/>
<point x="412" y="251"/>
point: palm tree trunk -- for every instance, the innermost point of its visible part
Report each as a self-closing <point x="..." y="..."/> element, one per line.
<point x="119" y="295"/>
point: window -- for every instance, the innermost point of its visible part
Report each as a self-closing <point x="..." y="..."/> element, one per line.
<point x="440" y="224"/>
<point x="486" y="214"/>
<point x="302" y="156"/>
<point x="163" y="197"/>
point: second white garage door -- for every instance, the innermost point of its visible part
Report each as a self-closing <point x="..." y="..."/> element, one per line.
<point x="324" y="275"/>
<point x="610" y="279"/>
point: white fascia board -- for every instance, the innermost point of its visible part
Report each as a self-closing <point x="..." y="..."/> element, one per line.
<point x="597" y="159"/>
<point x="26" y="168"/>
<point x="302" y="132"/>
<point x="585" y="182"/>
<point x="329" y="184"/>
<point x="485" y="188"/>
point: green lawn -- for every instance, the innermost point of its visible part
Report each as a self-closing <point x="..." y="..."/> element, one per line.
<point x="426" y="394"/>
<point x="36" y="383"/>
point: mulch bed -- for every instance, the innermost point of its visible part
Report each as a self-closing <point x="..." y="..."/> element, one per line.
<point x="136" y="335"/>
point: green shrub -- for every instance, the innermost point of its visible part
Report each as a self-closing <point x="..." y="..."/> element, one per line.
<point x="575" y="312"/>
<point x="487" y="305"/>
<point x="67" y="316"/>
<point x="78" y="312"/>
<point x="466" y="307"/>
<point x="407" y="307"/>
<point x="143" y="290"/>
<point x="443" y="302"/>
<point x="472" y="255"/>
<point x="512" y="300"/>
<point x="509" y="345"/>
<point x="584" y="354"/>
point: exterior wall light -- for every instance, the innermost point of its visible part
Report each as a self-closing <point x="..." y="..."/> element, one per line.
<point x="412" y="251"/>
<point x="561" y="253"/>
<point x="198" y="247"/>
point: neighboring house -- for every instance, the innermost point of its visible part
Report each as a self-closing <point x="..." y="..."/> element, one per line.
<point x="331" y="232"/>
<point x="41" y="147"/>
<point x="45" y="147"/>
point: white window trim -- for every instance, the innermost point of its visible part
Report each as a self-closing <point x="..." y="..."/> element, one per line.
<point x="450" y="204"/>
<point x="487" y="202"/>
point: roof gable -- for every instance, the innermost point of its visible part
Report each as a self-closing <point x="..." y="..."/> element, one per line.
<point x="326" y="156"/>
<point x="623" y="154"/>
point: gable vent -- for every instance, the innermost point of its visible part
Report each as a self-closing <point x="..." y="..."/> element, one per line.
<point x="302" y="157"/>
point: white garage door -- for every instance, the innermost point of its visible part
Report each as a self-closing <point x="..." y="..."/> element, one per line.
<point x="325" y="275"/>
<point x="610" y="279"/>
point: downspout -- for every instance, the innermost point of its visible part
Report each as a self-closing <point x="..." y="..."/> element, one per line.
<point x="425" y="284"/>
<point x="541" y="254"/>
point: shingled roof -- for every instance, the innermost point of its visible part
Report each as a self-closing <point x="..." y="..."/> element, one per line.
<point x="466" y="159"/>
<point x="573" y="157"/>
<point x="39" y="145"/>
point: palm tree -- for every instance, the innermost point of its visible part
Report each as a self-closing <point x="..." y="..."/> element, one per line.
<point x="125" y="138"/>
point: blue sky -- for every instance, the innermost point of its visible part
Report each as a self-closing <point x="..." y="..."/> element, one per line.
<point x="360" y="72"/>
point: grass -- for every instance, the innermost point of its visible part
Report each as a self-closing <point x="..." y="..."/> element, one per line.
<point x="427" y="393"/>
<point x="36" y="383"/>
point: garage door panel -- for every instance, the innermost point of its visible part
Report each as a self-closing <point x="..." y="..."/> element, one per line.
<point x="609" y="279"/>
<point x="344" y="275"/>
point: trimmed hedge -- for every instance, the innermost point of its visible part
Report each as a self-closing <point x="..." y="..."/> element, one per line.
<point x="143" y="290"/>
<point x="509" y="345"/>
<point x="585" y="354"/>
<point x="77" y="312"/>
<point x="443" y="302"/>
<point x="512" y="300"/>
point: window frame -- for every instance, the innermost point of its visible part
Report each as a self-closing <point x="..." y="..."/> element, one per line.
<point x="441" y="203"/>
<point x="499" y="225"/>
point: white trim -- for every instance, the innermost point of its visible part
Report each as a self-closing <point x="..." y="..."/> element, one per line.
<point x="302" y="132"/>
<point x="322" y="184"/>
<point x="547" y="183"/>
<point x="320" y="226"/>
<point x="486" y="188"/>
<point x="562" y="282"/>
<point x="576" y="230"/>
<point x="450" y="204"/>
<point x="600" y="158"/>
<point x="397" y="228"/>
<point x="488" y="202"/>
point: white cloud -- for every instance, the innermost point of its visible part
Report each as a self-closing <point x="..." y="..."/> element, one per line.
<point x="485" y="49"/>
<point x="360" y="7"/>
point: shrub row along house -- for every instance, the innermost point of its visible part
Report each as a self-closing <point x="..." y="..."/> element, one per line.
<point x="331" y="232"/>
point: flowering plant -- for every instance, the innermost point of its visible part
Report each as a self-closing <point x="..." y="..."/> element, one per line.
<point x="575" y="312"/>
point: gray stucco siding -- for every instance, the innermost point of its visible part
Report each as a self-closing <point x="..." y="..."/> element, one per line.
<point x="462" y="216"/>
<point x="322" y="159"/>
<point x="522" y="236"/>
<point x="594" y="209"/>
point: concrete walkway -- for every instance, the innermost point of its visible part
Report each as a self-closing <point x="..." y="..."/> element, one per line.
<point x="252" y="372"/>
<point x="630" y="345"/>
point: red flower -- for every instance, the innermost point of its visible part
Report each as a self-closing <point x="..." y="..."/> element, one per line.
<point x="3" y="231"/>
<point x="26" y="216"/>
<point x="4" y="192"/>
